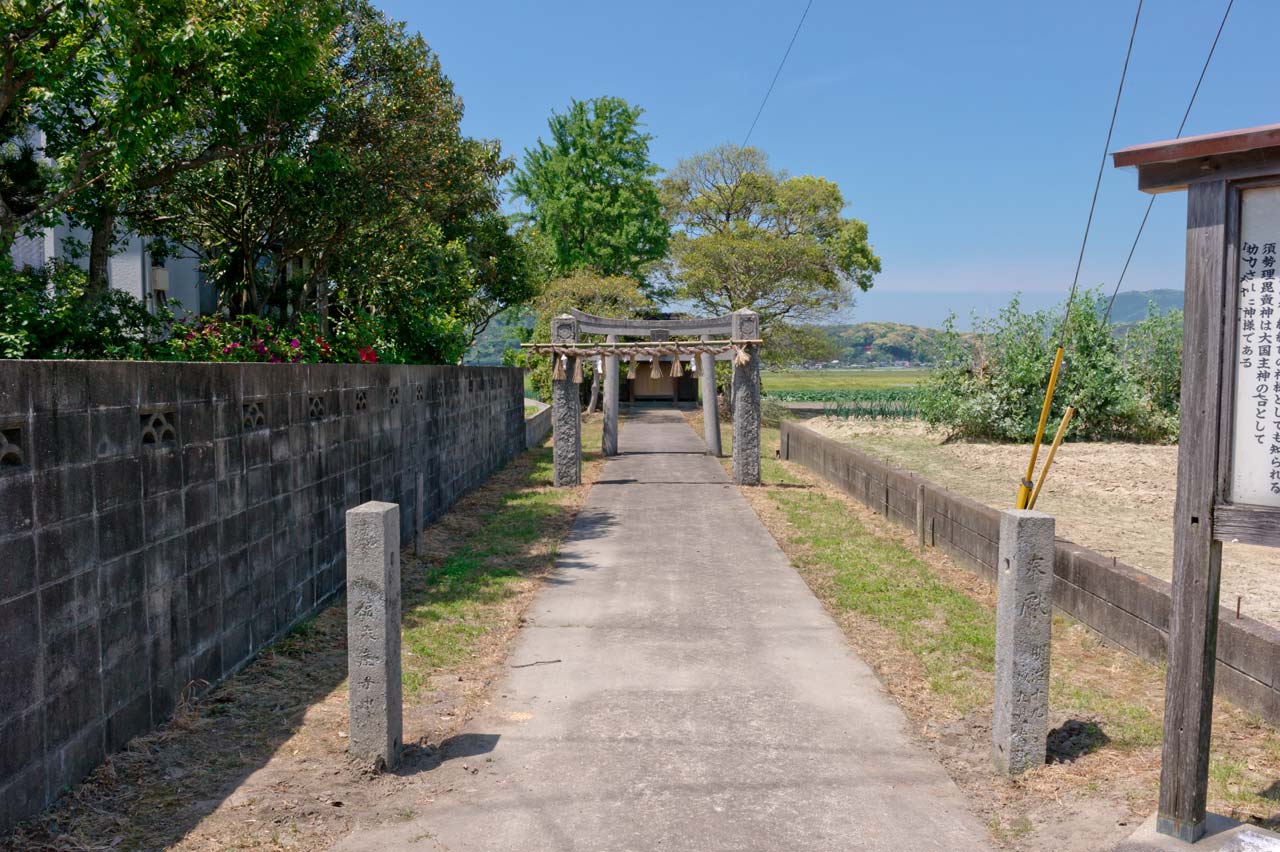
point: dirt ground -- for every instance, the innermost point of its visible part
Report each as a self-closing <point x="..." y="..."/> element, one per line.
<point x="1115" y="498"/>
<point x="259" y="762"/>
<point x="1105" y="709"/>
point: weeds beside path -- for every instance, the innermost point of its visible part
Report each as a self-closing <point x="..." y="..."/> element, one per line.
<point x="927" y="626"/>
<point x="1113" y="497"/>
<point x="259" y="762"/>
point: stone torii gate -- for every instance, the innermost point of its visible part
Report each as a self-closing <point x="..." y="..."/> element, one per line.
<point x="741" y="348"/>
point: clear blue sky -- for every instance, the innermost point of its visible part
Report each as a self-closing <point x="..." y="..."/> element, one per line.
<point x="967" y="135"/>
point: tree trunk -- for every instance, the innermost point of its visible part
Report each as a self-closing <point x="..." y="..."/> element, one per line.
<point x="595" y="392"/>
<point x="103" y="235"/>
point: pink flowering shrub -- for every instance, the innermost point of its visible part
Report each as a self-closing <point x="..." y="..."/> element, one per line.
<point x="250" y="338"/>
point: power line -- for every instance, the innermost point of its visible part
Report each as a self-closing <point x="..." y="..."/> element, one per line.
<point x="1151" y="202"/>
<point x="790" y="44"/>
<point x="1075" y="281"/>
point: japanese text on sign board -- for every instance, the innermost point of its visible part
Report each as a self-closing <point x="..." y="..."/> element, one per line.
<point x="1255" y="469"/>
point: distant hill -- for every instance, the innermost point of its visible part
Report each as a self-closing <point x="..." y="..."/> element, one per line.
<point x="1134" y="305"/>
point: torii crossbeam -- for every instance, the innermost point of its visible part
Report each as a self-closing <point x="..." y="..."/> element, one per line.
<point x="741" y="346"/>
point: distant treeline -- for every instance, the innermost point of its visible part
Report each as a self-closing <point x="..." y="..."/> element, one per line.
<point x="884" y="343"/>
<point x="868" y="344"/>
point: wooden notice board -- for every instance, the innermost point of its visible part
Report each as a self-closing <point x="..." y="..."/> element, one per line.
<point x="1229" y="440"/>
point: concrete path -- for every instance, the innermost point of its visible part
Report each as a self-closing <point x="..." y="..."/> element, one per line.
<point x="680" y="688"/>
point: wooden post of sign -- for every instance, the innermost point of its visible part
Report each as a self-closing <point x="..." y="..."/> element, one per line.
<point x="1216" y="170"/>
<point x="1197" y="558"/>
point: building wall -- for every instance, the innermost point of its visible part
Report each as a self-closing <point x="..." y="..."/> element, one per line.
<point x="160" y="523"/>
<point x="128" y="270"/>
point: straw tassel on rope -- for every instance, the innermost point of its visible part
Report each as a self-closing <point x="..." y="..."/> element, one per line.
<point x="631" y="366"/>
<point x="655" y="367"/>
<point x="677" y="368"/>
<point x="557" y="372"/>
<point x="742" y="357"/>
<point x="577" y="371"/>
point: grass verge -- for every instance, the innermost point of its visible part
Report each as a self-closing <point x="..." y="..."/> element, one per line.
<point x="927" y="626"/>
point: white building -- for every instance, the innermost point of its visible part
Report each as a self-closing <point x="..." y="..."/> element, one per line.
<point x="179" y="282"/>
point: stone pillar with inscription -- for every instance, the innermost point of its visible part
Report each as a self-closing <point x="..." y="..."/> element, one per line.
<point x="373" y="634"/>
<point x="566" y="409"/>
<point x="1024" y="617"/>
<point x="746" y="402"/>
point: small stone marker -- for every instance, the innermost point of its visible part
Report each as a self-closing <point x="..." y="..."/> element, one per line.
<point x="1024" y="617"/>
<point x="373" y="633"/>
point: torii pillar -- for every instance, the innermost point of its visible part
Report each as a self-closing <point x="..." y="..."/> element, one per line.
<point x="710" y="405"/>
<point x="746" y="401"/>
<point x="566" y="411"/>
<point x="609" y="438"/>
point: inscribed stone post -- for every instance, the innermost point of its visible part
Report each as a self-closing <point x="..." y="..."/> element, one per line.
<point x="566" y="410"/>
<point x="746" y="402"/>
<point x="373" y="633"/>
<point x="1024" y="618"/>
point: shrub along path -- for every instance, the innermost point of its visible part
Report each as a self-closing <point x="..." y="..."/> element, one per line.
<point x="680" y="688"/>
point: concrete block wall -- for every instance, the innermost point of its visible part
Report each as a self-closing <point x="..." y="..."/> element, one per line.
<point x="1126" y="606"/>
<point x="537" y="426"/>
<point x="160" y="523"/>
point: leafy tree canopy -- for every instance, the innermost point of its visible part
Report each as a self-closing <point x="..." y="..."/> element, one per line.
<point x="990" y="384"/>
<point x="590" y="189"/>
<point x="606" y="296"/>
<point x="748" y="236"/>
<point x="103" y="97"/>
<point x="376" y="203"/>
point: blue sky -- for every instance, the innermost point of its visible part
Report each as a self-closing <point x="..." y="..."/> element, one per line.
<point x="967" y="135"/>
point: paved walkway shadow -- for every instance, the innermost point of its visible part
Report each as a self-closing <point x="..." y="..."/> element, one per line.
<point x="680" y="688"/>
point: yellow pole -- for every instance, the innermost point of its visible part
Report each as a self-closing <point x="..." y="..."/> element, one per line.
<point x="1053" y="451"/>
<point x="1024" y="487"/>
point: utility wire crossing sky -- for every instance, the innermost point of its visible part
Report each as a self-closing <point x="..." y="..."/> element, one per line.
<point x="965" y="135"/>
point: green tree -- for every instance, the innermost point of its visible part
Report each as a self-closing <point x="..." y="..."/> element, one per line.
<point x="606" y="296"/>
<point x="377" y="205"/>
<point x="1152" y="354"/>
<point x="591" y="190"/>
<point x="751" y="237"/>
<point x="990" y="384"/>
<point x="101" y="99"/>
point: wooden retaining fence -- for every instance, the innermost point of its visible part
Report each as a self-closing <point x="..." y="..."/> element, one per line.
<point x="1127" y="607"/>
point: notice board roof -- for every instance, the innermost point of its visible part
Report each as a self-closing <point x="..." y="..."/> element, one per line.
<point x="1175" y="163"/>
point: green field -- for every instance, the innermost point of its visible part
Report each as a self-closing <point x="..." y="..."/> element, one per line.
<point x="835" y="380"/>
